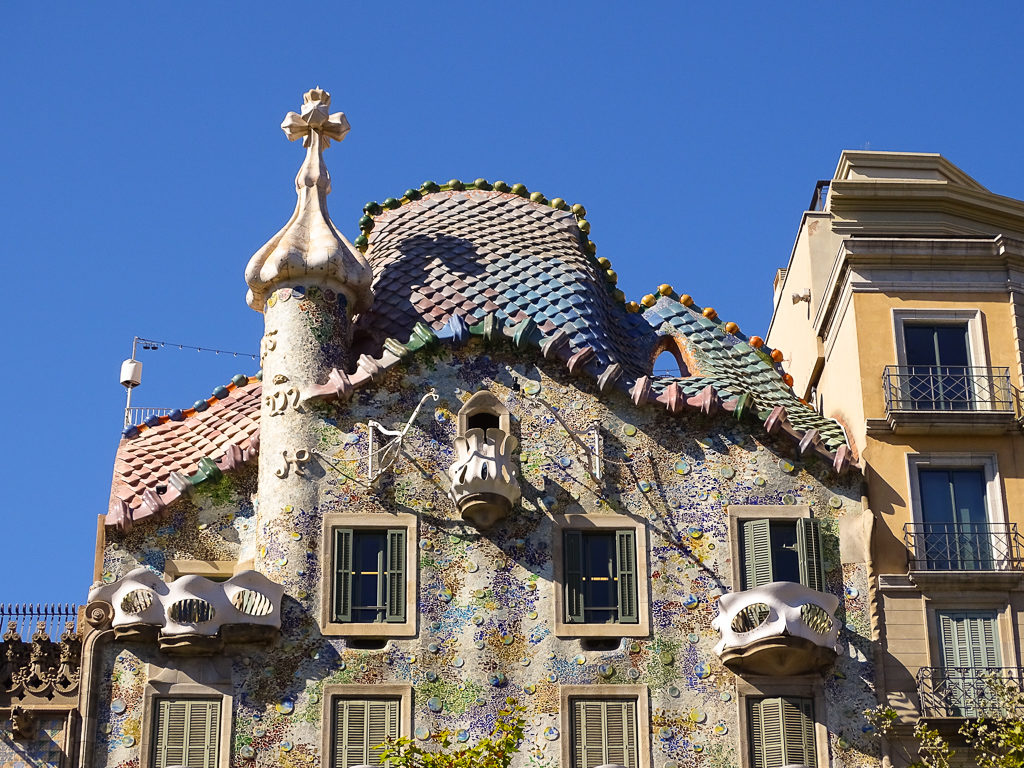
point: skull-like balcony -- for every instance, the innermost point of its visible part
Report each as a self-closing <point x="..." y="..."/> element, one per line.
<point x="192" y="614"/>
<point x="485" y="483"/>
<point x="781" y="628"/>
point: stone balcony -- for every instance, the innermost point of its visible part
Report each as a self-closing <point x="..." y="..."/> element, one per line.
<point x="485" y="483"/>
<point x="782" y="628"/>
<point x="192" y="614"/>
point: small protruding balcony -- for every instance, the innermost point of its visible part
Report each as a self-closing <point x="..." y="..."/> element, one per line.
<point x="192" y="614"/>
<point x="966" y="692"/>
<point x="781" y="628"/>
<point x="485" y="484"/>
<point x="949" y="399"/>
<point x="949" y="552"/>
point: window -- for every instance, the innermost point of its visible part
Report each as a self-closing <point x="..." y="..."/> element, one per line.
<point x="958" y="515"/>
<point x="605" y="725"/>
<point x="369" y="575"/>
<point x="360" y="727"/>
<point x="781" y="732"/>
<point x="600" y="577"/>
<point x="603" y="732"/>
<point x="600" y="569"/>
<point x="187" y="732"/>
<point x="781" y="550"/>
<point x="938" y="376"/>
<point x="968" y="645"/>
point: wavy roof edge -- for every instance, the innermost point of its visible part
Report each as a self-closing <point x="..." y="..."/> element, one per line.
<point x="340" y="386"/>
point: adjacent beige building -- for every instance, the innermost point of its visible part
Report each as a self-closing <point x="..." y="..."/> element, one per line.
<point x="899" y="314"/>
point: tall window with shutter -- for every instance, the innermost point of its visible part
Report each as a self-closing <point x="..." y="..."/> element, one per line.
<point x="369" y="575"/>
<point x="782" y="550"/>
<point x="604" y="732"/>
<point x="359" y="729"/>
<point x="969" y="644"/>
<point x="600" y="577"/>
<point x="187" y="732"/>
<point x="782" y="732"/>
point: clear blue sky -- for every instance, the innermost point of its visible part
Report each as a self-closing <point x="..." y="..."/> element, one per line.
<point x="142" y="164"/>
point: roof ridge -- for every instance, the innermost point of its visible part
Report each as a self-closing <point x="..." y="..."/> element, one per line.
<point x="222" y="392"/>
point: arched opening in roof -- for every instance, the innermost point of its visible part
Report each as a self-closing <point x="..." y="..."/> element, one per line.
<point x="667" y="359"/>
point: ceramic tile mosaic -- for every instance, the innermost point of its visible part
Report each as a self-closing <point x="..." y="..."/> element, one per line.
<point x="43" y="751"/>
<point x="485" y="600"/>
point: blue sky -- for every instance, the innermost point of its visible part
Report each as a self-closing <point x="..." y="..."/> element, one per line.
<point x="142" y="163"/>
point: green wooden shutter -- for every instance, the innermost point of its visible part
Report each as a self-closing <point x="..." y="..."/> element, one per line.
<point x="969" y="639"/>
<point x="396" y="575"/>
<point x="343" y="574"/>
<point x="625" y="547"/>
<point x="187" y="733"/>
<point x="573" y="556"/>
<point x="798" y="731"/>
<point x="782" y="732"/>
<point x="381" y="722"/>
<point x="604" y="732"/>
<point x="808" y="547"/>
<point x="757" y="553"/>
<point x="360" y="729"/>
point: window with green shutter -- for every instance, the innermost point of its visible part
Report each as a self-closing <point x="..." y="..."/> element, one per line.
<point x="604" y="731"/>
<point x="600" y="577"/>
<point x="369" y="575"/>
<point x="781" y="732"/>
<point x="187" y="732"/>
<point x="782" y="550"/>
<point x="969" y="643"/>
<point x="360" y="728"/>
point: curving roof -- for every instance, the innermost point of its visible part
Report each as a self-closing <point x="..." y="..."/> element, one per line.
<point x="453" y="263"/>
<point x="474" y="252"/>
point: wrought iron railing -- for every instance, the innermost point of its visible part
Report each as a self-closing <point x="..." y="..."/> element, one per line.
<point x="963" y="546"/>
<point x="137" y="414"/>
<point x="967" y="692"/>
<point x="27" y="617"/>
<point x="948" y="388"/>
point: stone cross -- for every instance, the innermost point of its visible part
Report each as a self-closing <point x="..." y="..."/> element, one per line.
<point x="315" y="119"/>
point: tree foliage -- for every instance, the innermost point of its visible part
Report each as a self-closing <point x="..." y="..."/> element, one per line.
<point x="493" y="751"/>
<point x="990" y="742"/>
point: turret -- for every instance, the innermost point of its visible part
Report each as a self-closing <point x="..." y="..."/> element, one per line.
<point x="308" y="281"/>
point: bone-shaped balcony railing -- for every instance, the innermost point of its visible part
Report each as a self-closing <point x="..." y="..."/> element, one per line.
<point x="782" y="609"/>
<point x="191" y="605"/>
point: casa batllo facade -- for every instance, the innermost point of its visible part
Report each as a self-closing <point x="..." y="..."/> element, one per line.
<point x="458" y="479"/>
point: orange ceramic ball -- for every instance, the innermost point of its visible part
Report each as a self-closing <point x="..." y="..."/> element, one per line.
<point x="731" y="328"/>
<point x="756" y="342"/>
<point x="777" y="355"/>
<point x="709" y="313"/>
<point x="788" y="379"/>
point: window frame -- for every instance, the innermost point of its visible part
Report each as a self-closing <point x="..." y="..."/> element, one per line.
<point x="190" y="679"/>
<point x="975" y="601"/>
<point x="987" y="462"/>
<point x="336" y="691"/>
<point x="601" y="523"/>
<point x="741" y="513"/>
<point x="800" y="686"/>
<point x="977" y="352"/>
<point x="568" y="693"/>
<point x="376" y="521"/>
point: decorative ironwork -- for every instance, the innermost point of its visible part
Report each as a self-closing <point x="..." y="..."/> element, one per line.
<point x="963" y="546"/>
<point x="966" y="692"/>
<point x="948" y="388"/>
<point x="40" y="667"/>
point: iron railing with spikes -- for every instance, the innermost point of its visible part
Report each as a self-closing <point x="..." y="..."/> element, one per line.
<point x="27" y="616"/>
<point x="942" y="388"/>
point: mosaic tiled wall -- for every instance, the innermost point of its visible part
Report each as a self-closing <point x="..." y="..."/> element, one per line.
<point x="42" y="751"/>
<point x="486" y="599"/>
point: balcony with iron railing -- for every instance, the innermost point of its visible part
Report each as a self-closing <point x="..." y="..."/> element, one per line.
<point x="967" y="692"/>
<point x="947" y="398"/>
<point x="949" y="553"/>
